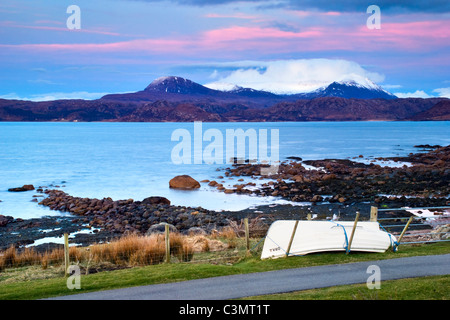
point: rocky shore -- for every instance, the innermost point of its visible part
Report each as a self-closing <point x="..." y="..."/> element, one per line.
<point x="324" y="189"/>
<point x="418" y="180"/>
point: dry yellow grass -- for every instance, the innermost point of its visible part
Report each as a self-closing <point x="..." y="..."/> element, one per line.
<point x="130" y="250"/>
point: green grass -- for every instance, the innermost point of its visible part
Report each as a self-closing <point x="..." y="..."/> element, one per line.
<point x="424" y="288"/>
<point x="30" y="287"/>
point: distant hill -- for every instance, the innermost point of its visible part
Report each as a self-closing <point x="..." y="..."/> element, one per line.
<point x="342" y="109"/>
<point x="440" y="111"/>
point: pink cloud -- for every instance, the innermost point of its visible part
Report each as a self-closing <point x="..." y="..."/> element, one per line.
<point x="208" y="41"/>
<point x="149" y="45"/>
<point x="429" y="29"/>
<point x="229" y="41"/>
<point x="248" y="33"/>
<point x="11" y="24"/>
<point x="304" y="13"/>
<point x="332" y="13"/>
<point x="422" y="35"/>
<point x="234" y="16"/>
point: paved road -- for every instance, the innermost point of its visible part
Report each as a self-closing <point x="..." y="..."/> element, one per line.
<point x="237" y="286"/>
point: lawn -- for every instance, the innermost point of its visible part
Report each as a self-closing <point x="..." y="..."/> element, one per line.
<point x="29" y="283"/>
<point x="424" y="288"/>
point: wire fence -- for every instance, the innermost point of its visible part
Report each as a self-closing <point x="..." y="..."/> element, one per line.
<point x="230" y="244"/>
<point x="426" y="225"/>
<point x="225" y="246"/>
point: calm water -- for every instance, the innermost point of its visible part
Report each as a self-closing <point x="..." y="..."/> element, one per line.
<point x="133" y="160"/>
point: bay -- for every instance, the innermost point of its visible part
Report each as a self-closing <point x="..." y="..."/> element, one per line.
<point x="133" y="160"/>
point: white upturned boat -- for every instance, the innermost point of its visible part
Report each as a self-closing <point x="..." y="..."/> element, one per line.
<point x="321" y="236"/>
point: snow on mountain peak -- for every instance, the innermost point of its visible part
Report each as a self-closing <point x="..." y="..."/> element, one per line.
<point x="358" y="81"/>
<point x="352" y="80"/>
<point x="168" y="79"/>
<point x="223" y="86"/>
<point x="176" y="85"/>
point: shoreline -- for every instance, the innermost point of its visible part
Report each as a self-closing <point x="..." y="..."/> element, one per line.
<point x="335" y="189"/>
<point x="85" y="231"/>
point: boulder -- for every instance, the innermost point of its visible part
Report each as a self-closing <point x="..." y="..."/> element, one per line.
<point x="26" y="187"/>
<point x="184" y="182"/>
<point x="194" y="231"/>
<point x="4" y="220"/>
<point x="160" y="228"/>
<point x="156" y="200"/>
<point x="316" y="198"/>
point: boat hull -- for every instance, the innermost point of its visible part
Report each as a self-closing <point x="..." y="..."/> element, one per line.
<point x="322" y="236"/>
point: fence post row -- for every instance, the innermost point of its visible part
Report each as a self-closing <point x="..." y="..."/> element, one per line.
<point x="373" y="217"/>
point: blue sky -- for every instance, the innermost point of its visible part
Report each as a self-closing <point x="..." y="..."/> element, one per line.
<point x="123" y="45"/>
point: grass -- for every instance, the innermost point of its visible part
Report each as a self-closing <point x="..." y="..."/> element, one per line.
<point x="33" y="287"/>
<point x="130" y="250"/>
<point x="424" y="288"/>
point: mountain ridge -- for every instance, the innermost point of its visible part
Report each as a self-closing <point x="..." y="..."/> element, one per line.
<point x="175" y="99"/>
<point x="176" y="88"/>
<point x="349" y="89"/>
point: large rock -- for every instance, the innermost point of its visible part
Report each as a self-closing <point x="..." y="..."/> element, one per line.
<point x="160" y="228"/>
<point x="26" y="187"/>
<point x="184" y="182"/>
<point x="156" y="200"/>
<point x="4" y="220"/>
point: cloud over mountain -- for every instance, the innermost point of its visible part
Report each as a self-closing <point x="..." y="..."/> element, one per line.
<point x="291" y="76"/>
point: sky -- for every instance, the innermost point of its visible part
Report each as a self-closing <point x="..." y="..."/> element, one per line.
<point x="275" y="45"/>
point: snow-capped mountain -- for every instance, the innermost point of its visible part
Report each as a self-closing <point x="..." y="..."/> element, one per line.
<point x="186" y="86"/>
<point x="350" y="89"/>
<point x="249" y="92"/>
<point x="177" y="85"/>
<point x="180" y="89"/>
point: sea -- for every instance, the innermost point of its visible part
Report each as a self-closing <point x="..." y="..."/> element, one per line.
<point x="137" y="160"/>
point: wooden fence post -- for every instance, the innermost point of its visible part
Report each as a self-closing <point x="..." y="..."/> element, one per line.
<point x="247" y="235"/>
<point x="66" y="253"/>
<point x="404" y="229"/>
<point x="373" y="214"/>
<point x="292" y="239"/>
<point x="353" y="232"/>
<point x="167" y="241"/>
